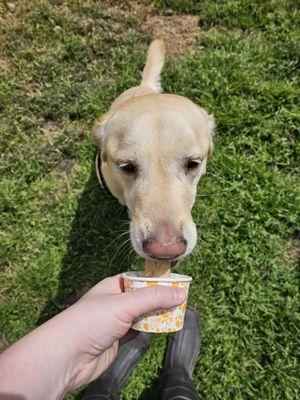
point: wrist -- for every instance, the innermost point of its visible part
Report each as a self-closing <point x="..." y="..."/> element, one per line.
<point x="80" y="360"/>
<point x="59" y="352"/>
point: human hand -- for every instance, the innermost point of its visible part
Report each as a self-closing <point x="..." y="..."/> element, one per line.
<point x="77" y="345"/>
<point x="104" y="315"/>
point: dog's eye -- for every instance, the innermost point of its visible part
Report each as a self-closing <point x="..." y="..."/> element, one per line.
<point x="128" y="168"/>
<point x="192" y="165"/>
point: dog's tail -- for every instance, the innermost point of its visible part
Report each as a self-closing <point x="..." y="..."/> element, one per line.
<point x="154" y="65"/>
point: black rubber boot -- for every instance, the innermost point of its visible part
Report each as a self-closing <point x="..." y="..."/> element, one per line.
<point x="109" y="384"/>
<point x="181" y="357"/>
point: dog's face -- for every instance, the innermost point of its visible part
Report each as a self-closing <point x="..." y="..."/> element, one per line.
<point x="154" y="151"/>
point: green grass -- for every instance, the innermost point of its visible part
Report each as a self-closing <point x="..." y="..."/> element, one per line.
<point x="61" y="65"/>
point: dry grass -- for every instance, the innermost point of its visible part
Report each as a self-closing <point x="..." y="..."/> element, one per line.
<point x="179" y="32"/>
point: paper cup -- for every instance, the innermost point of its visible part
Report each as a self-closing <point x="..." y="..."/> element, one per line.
<point x="169" y="320"/>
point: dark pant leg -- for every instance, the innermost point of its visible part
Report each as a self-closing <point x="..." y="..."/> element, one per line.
<point x="100" y="389"/>
<point x="176" y="385"/>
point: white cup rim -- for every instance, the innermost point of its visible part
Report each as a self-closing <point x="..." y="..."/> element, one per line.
<point x="138" y="276"/>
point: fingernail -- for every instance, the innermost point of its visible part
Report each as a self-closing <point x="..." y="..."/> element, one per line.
<point x="180" y="295"/>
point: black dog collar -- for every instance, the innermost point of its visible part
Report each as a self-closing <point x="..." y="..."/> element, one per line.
<point x="101" y="177"/>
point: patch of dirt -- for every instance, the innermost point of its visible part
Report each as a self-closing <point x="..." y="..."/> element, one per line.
<point x="292" y="252"/>
<point x="178" y="31"/>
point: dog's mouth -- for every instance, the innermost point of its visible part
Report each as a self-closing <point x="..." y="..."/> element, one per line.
<point x="171" y="261"/>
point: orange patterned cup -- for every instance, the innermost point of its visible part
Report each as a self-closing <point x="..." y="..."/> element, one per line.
<point x="170" y="320"/>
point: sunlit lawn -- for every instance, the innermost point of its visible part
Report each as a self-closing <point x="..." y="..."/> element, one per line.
<point x="61" y="64"/>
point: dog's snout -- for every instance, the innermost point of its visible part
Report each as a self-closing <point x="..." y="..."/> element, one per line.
<point x="165" y="243"/>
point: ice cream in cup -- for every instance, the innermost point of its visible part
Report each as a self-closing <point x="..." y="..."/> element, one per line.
<point x="169" y="320"/>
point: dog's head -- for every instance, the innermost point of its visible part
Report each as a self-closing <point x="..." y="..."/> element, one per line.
<point x="154" y="150"/>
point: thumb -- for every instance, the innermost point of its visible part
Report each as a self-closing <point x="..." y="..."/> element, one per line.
<point x="145" y="300"/>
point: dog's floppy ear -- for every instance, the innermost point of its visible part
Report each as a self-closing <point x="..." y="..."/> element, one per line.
<point x="99" y="129"/>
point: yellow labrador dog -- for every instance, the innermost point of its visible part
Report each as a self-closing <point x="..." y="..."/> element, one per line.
<point x="153" y="149"/>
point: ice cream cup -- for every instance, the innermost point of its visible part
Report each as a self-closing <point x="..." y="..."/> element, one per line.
<point x="159" y="321"/>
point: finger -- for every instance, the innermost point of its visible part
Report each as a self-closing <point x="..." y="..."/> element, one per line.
<point x="145" y="300"/>
<point x="112" y="284"/>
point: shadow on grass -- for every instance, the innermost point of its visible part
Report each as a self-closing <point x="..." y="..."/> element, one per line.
<point x="94" y="250"/>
